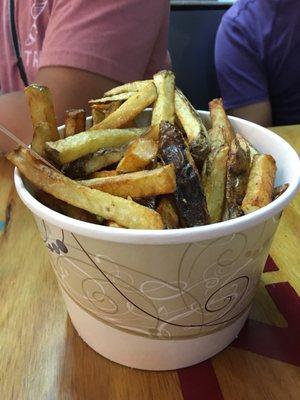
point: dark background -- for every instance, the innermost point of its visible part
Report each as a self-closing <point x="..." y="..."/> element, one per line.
<point x="193" y="26"/>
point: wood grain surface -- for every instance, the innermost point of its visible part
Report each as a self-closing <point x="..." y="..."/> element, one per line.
<point x="42" y="357"/>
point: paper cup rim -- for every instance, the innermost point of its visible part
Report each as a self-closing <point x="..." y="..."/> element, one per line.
<point x="172" y="236"/>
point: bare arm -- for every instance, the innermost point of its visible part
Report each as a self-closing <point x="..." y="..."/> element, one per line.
<point x="71" y="88"/>
<point x="260" y="113"/>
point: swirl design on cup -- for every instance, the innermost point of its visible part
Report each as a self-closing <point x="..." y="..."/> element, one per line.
<point x="211" y="285"/>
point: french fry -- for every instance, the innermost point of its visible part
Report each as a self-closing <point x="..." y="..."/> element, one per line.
<point x="149" y="202"/>
<point x="238" y="168"/>
<point x="117" y="97"/>
<point x="168" y="214"/>
<point x="41" y="108"/>
<point x="260" y="185"/>
<point x="104" y="174"/>
<point x="138" y="155"/>
<point x="279" y="190"/>
<point x="137" y="184"/>
<point x="188" y="196"/>
<point x="124" y="212"/>
<point x="41" y="134"/>
<point x="73" y="147"/>
<point x="84" y="166"/>
<point x="64" y="208"/>
<point x="101" y="111"/>
<point x="113" y="224"/>
<point x="129" y="109"/>
<point x="193" y="127"/>
<point x="214" y="181"/>
<point x="246" y="145"/>
<point x="74" y="122"/>
<point x="128" y="87"/>
<point x="220" y="122"/>
<point x="163" y="109"/>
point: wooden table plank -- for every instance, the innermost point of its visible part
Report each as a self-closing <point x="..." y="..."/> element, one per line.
<point x="42" y="357"/>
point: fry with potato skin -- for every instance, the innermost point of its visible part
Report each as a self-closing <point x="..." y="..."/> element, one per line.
<point x="138" y="155"/>
<point x="129" y="109"/>
<point x="164" y="108"/>
<point x="279" y="190"/>
<point x="261" y="183"/>
<point x="128" y="87"/>
<point x="74" y="121"/>
<point x="238" y="168"/>
<point x="117" y="97"/>
<point x="246" y="145"/>
<point x="168" y="214"/>
<point x="137" y="184"/>
<point x="125" y="212"/>
<point x="103" y="174"/>
<point x="64" y="208"/>
<point x="220" y="121"/>
<point x="84" y="166"/>
<point x="73" y="147"/>
<point x="101" y="111"/>
<point x="188" y="196"/>
<point x="42" y="109"/>
<point x="41" y="134"/>
<point x="214" y="181"/>
<point x="193" y="127"/>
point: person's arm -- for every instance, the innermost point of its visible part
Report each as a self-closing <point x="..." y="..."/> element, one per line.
<point x="259" y="113"/>
<point x="241" y="72"/>
<point x="71" y="88"/>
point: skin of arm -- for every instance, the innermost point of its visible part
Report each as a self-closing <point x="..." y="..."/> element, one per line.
<point x="259" y="113"/>
<point x="70" y="87"/>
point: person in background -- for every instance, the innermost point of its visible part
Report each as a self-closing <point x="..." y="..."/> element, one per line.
<point x="257" y="56"/>
<point x="79" y="49"/>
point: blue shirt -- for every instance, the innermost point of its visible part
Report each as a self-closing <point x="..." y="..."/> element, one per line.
<point x="257" y="56"/>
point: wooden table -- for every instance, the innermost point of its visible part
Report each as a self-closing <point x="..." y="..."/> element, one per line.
<point x="42" y="357"/>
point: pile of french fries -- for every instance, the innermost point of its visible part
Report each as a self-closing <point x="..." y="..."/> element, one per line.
<point x="171" y="174"/>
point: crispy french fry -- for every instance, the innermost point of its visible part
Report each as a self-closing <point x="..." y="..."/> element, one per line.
<point x="41" y="134"/>
<point x="146" y="201"/>
<point x="113" y="224"/>
<point x="129" y="109"/>
<point x="220" y="122"/>
<point x="64" y="208"/>
<point x="124" y="212"/>
<point x="168" y="214"/>
<point x="97" y="115"/>
<point x="101" y="111"/>
<point x="279" y="190"/>
<point x="128" y="87"/>
<point x="41" y="108"/>
<point x="189" y="196"/>
<point x="238" y="168"/>
<point x="137" y="184"/>
<point x="73" y="147"/>
<point x="84" y="166"/>
<point x="164" y="108"/>
<point x="104" y="174"/>
<point x="74" y="122"/>
<point x="214" y="181"/>
<point x="117" y="97"/>
<point x="260" y="185"/>
<point x="246" y="145"/>
<point x="138" y="155"/>
<point x="194" y="128"/>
